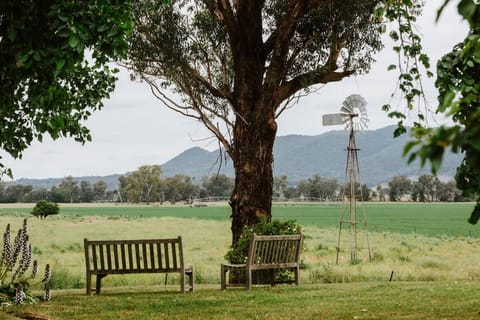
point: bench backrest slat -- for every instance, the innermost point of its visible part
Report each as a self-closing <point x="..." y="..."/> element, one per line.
<point x="94" y="254"/>
<point x="128" y="256"/>
<point x="109" y="257"/>
<point x="129" y="253"/>
<point x="276" y="249"/>
<point x="161" y="256"/>
<point x="152" y="255"/>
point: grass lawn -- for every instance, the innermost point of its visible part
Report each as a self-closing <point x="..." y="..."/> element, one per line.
<point x="372" y="300"/>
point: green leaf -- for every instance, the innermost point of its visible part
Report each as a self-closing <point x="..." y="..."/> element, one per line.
<point x="112" y="32"/>
<point x="399" y="130"/>
<point x="379" y="12"/>
<point x="63" y="18"/>
<point x="391" y="67"/>
<point x="394" y="35"/>
<point x="467" y="9"/>
<point x="446" y="101"/>
<point x="36" y="56"/>
<point x="73" y="41"/>
<point x="425" y="60"/>
<point x="436" y="164"/>
<point x="475" y="215"/>
<point x="59" y="67"/>
<point x="411" y="158"/>
<point x="409" y="146"/>
<point x="439" y="12"/>
<point x="397" y="115"/>
<point x="102" y="28"/>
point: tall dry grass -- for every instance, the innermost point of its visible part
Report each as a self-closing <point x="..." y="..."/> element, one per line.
<point x="59" y="241"/>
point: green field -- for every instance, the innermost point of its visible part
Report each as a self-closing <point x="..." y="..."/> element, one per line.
<point x="431" y="219"/>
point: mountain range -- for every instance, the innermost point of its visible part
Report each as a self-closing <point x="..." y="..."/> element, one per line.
<point x="299" y="157"/>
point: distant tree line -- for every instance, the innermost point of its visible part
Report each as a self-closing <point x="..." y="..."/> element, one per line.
<point x="146" y="185"/>
<point x="68" y="191"/>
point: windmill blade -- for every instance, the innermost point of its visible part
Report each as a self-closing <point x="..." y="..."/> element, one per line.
<point x="347" y="109"/>
<point x="363" y="124"/>
<point x="355" y="100"/>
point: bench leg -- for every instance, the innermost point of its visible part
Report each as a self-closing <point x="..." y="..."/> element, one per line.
<point x="297" y="278"/>
<point x="223" y="282"/>
<point x="188" y="271"/>
<point x="98" y="286"/>
<point x="249" y="279"/>
<point x="89" y="284"/>
<point x="190" y="279"/>
<point x="182" y="282"/>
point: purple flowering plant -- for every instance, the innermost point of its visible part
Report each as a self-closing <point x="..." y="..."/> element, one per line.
<point x="18" y="272"/>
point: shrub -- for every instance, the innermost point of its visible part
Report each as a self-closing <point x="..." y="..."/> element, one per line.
<point x="15" y="261"/>
<point x="45" y="208"/>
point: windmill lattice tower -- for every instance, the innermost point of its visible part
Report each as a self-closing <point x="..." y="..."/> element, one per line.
<point x="354" y="116"/>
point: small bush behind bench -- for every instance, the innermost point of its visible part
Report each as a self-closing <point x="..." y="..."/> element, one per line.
<point x="104" y="257"/>
<point x="271" y="252"/>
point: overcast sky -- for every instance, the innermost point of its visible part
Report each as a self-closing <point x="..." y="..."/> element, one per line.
<point x="134" y="129"/>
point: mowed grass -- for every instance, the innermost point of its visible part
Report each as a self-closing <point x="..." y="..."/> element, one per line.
<point x="445" y="300"/>
<point x="433" y="264"/>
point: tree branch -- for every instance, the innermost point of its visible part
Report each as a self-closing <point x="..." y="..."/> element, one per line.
<point x="223" y="11"/>
<point x="308" y="79"/>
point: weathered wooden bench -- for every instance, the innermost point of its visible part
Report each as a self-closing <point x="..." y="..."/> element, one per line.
<point x="104" y="257"/>
<point x="267" y="252"/>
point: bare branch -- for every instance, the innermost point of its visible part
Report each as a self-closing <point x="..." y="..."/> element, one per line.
<point x="308" y="79"/>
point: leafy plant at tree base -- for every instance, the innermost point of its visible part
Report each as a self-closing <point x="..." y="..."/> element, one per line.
<point x="15" y="263"/>
<point x="239" y="253"/>
<point x="45" y="208"/>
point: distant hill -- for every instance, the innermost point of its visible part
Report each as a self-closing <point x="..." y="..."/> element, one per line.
<point x="300" y="157"/>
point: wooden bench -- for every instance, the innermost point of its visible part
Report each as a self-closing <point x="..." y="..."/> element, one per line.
<point x="104" y="257"/>
<point x="267" y="252"/>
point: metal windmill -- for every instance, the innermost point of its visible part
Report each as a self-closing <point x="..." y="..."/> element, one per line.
<point x="354" y="115"/>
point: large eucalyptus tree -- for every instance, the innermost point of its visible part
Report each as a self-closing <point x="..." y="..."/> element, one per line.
<point x="237" y="65"/>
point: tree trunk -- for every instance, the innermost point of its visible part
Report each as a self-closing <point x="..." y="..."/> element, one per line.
<point x="251" y="200"/>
